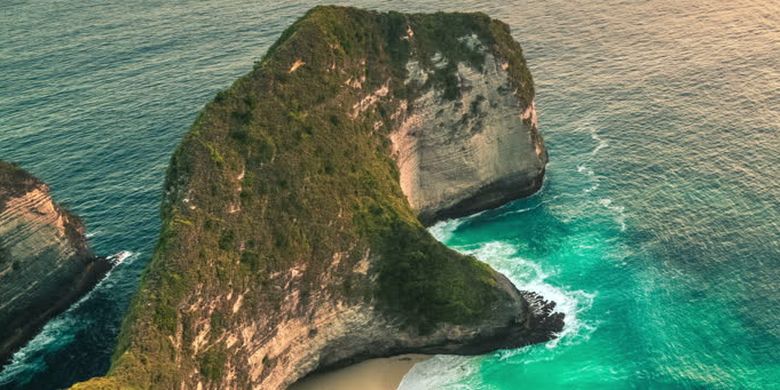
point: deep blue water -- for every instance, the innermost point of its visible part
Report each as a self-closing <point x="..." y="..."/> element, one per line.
<point x="657" y="231"/>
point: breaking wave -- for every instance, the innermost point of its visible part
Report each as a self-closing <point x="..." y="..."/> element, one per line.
<point x="56" y="334"/>
<point x="530" y="276"/>
<point x="453" y="372"/>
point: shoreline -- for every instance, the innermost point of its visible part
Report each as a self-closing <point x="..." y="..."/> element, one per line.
<point x="371" y="374"/>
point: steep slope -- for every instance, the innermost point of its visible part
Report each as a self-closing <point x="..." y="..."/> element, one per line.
<point x="291" y="236"/>
<point x="45" y="264"/>
<point x="478" y="150"/>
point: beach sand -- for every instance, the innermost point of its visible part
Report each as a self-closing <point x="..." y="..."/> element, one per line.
<point x="374" y="374"/>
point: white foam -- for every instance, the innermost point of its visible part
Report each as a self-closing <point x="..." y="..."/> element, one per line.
<point x="585" y="170"/>
<point x="601" y="144"/>
<point x="591" y="189"/>
<point x="441" y="371"/>
<point x="444" y="230"/>
<point x="525" y="210"/>
<point x="119" y="257"/>
<point x="454" y="372"/>
<point x="530" y="276"/>
<point x="582" y="168"/>
<point x="58" y="331"/>
<point x="619" y="211"/>
<point x="124" y="256"/>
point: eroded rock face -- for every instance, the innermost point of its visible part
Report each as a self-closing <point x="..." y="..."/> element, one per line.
<point x="292" y="238"/>
<point x="479" y="151"/>
<point x="341" y="335"/>
<point x="330" y="333"/>
<point x="45" y="264"/>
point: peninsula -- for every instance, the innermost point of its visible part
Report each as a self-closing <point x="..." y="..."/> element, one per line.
<point x="295" y="208"/>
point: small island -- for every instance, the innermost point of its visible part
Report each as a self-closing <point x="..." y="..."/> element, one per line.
<point x="294" y="218"/>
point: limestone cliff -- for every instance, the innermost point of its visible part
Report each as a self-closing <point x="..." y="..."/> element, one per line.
<point x="478" y="151"/>
<point x="291" y="238"/>
<point x="45" y="264"/>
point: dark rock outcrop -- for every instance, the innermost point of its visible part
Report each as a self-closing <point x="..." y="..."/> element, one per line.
<point x="45" y="264"/>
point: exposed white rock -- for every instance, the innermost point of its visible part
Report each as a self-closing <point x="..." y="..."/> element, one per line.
<point x="368" y="101"/>
<point x="439" y="61"/>
<point x="416" y="73"/>
<point x="448" y="152"/>
<point x="297" y="64"/>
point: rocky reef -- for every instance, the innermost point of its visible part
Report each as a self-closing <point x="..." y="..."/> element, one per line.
<point x="293" y="235"/>
<point x="45" y="264"/>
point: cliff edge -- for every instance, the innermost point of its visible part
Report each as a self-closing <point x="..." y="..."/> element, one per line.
<point x="293" y="235"/>
<point x="45" y="264"/>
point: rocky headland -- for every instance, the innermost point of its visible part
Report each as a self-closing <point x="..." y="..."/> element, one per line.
<point x="45" y="263"/>
<point x="294" y="217"/>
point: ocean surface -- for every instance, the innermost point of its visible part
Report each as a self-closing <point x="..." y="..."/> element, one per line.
<point x="657" y="231"/>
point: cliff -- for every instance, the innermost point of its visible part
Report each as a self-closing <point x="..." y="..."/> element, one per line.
<point x="476" y="151"/>
<point x="292" y="238"/>
<point x="45" y="264"/>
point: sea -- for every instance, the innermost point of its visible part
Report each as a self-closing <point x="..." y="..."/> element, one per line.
<point x="657" y="231"/>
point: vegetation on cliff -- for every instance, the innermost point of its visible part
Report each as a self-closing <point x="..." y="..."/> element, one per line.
<point x="14" y="181"/>
<point x="287" y="171"/>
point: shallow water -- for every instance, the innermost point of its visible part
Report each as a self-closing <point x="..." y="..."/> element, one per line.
<point x="657" y="231"/>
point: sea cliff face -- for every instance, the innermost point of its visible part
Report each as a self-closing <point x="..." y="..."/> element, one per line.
<point x="45" y="264"/>
<point x="477" y="151"/>
<point x="292" y="238"/>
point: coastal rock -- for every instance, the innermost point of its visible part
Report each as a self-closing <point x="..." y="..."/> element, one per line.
<point x="45" y="264"/>
<point x="292" y="238"/>
<point x="478" y="151"/>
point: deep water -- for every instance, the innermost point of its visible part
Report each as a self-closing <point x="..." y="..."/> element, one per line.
<point x="657" y="230"/>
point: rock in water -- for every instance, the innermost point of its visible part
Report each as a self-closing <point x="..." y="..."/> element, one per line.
<point x="45" y="264"/>
<point x="292" y="238"/>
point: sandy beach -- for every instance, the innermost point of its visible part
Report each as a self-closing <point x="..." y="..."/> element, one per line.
<point x="374" y="374"/>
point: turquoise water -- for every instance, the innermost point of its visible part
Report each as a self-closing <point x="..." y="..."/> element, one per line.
<point x="657" y="231"/>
